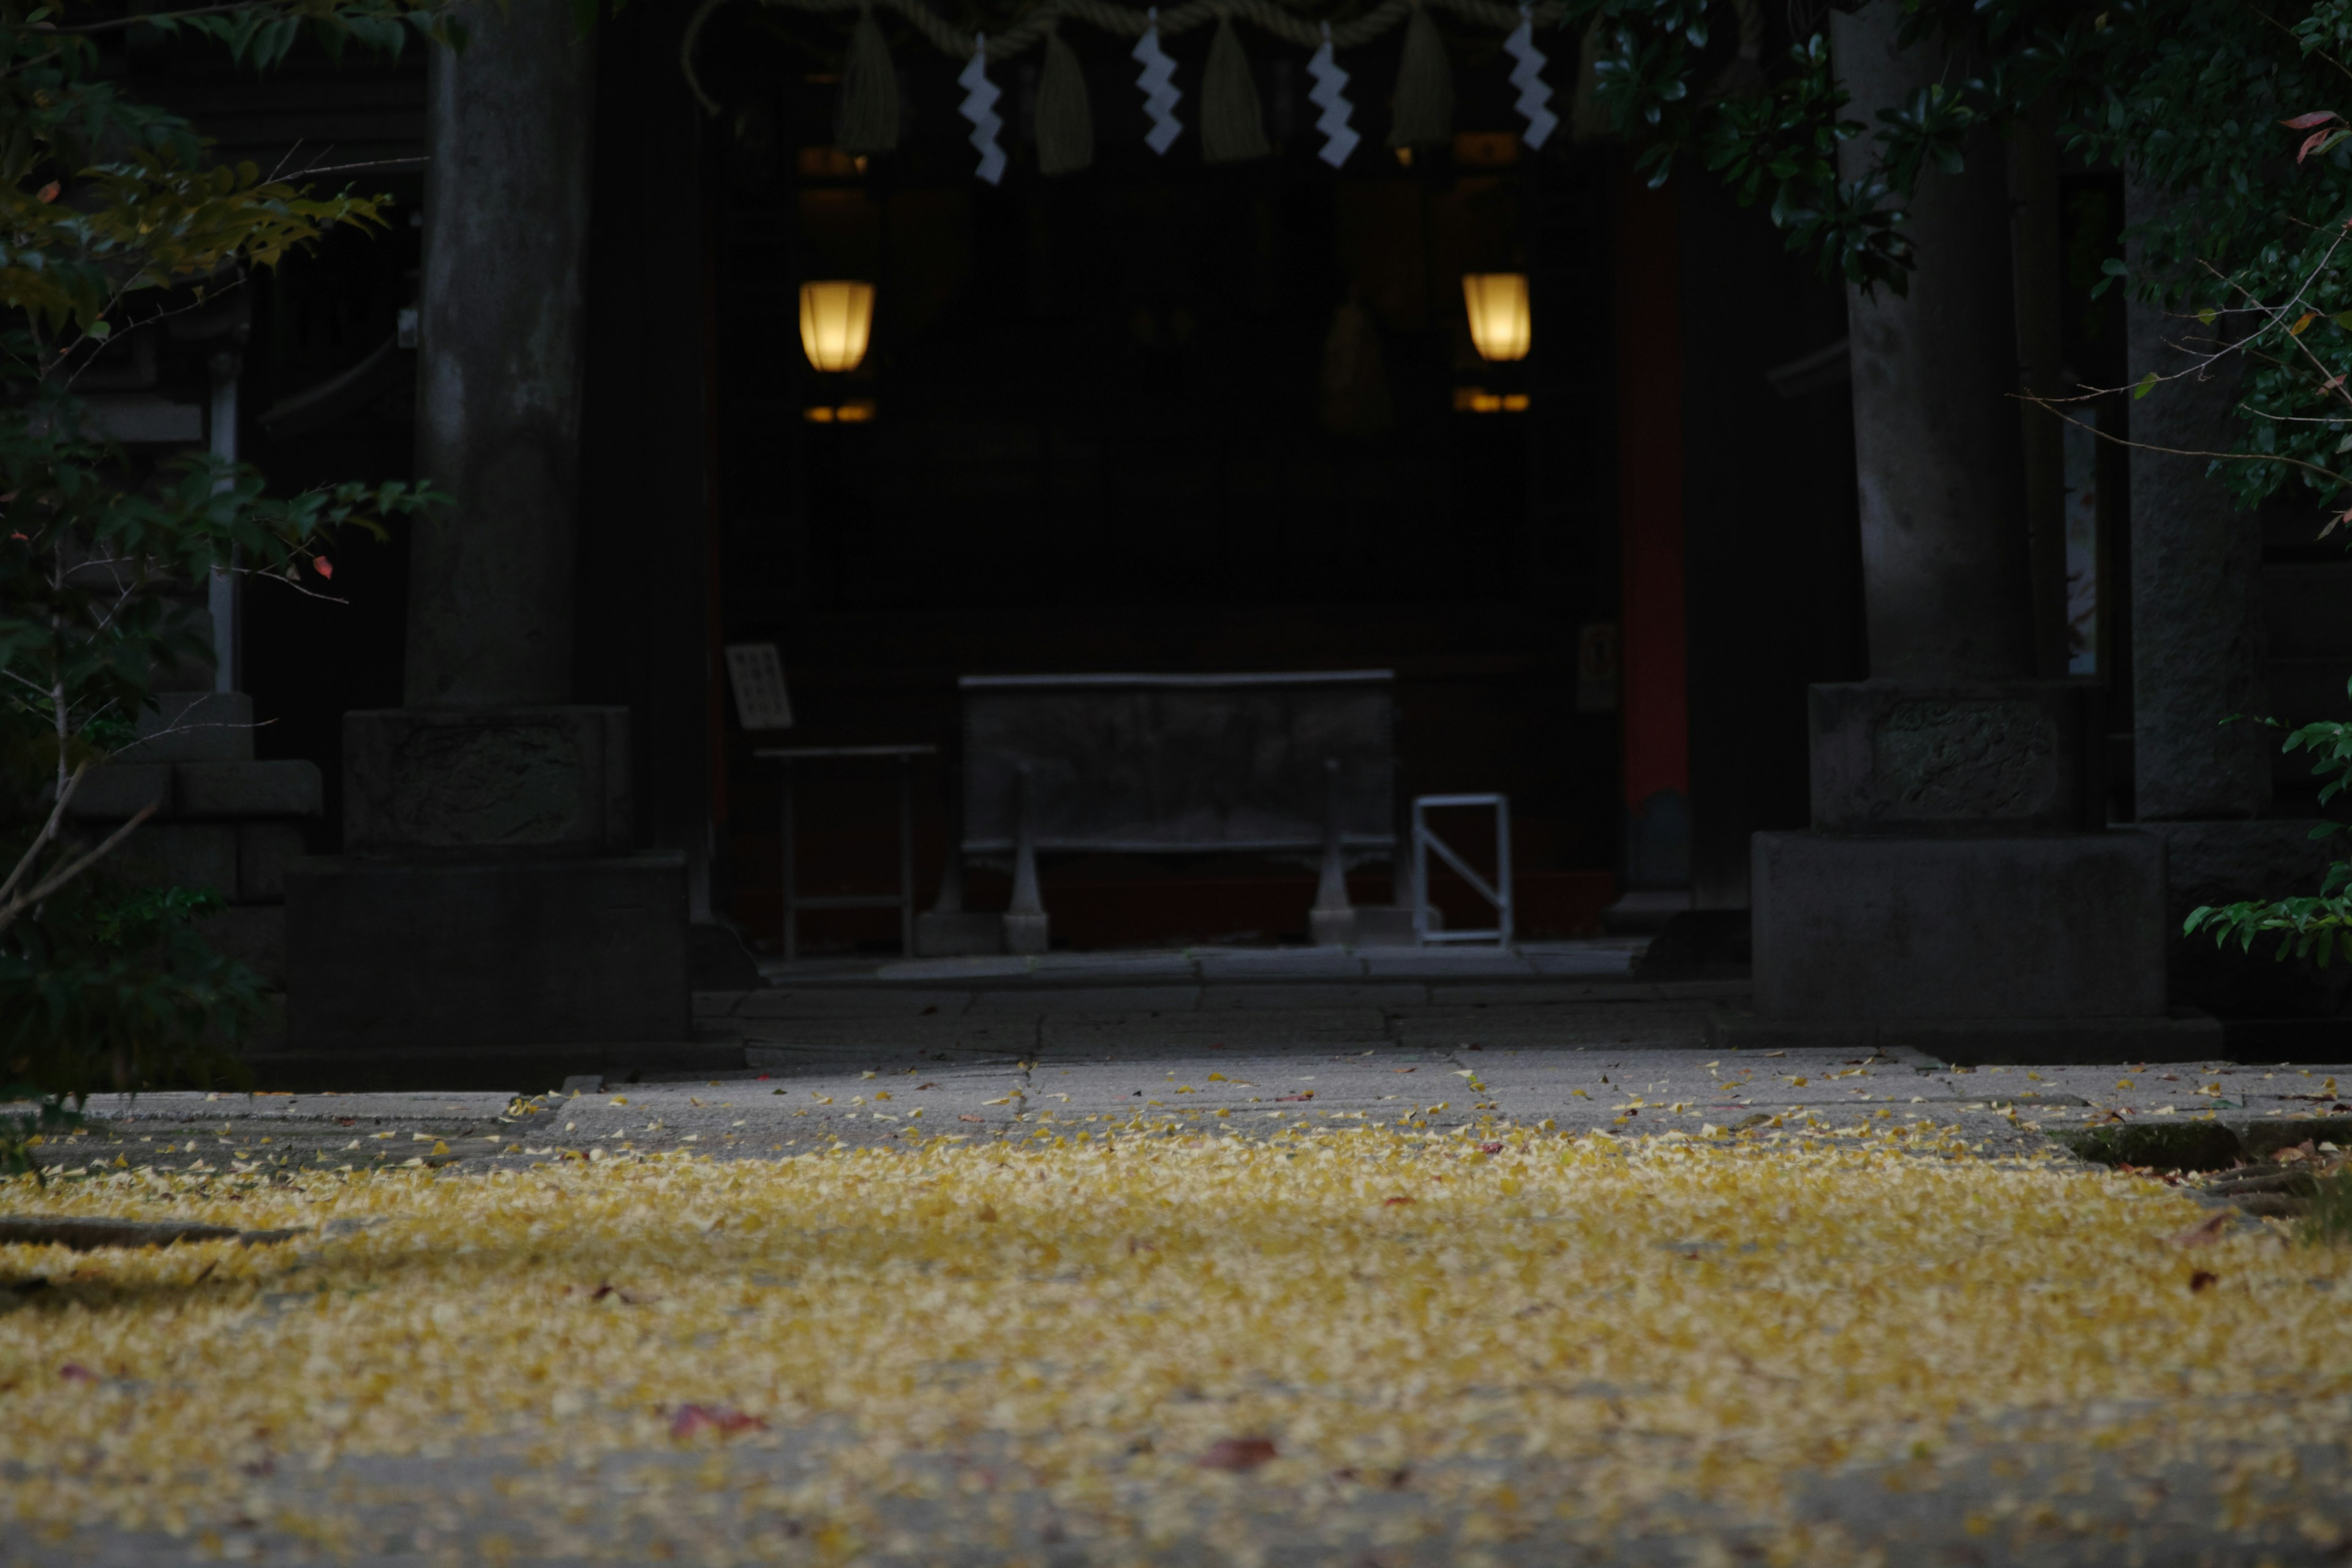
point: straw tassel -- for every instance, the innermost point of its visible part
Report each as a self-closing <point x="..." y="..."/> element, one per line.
<point x="1423" y="105"/>
<point x="1233" y="128"/>
<point x="865" y="117"/>
<point x="1065" y="122"/>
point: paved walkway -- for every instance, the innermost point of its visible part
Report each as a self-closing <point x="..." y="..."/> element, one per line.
<point x="1459" y="1051"/>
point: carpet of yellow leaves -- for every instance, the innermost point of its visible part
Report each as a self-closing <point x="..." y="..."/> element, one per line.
<point x="1573" y="1335"/>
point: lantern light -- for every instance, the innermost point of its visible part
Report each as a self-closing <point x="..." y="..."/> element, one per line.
<point x="1500" y="327"/>
<point x="837" y="323"/>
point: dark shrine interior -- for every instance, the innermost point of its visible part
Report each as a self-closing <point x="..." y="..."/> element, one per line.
<point x="1164" y="416"/>
<point x="1155" y="416"/>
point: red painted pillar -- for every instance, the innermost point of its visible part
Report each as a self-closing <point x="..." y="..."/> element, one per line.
<point x="1649" y="525"/>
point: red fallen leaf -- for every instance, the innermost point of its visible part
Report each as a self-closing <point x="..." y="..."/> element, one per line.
<point x="324" y="567"/>
<point x="722" y="1420"/>
<point x="1392" y="1202"/>
<point x="1404" y="1070"/>
<point x="74" y="1371"/>
<point x="2201" y="1278"/>
<point x="763" y="1077"/>
<point x="1490" y="1148"/>
<point x="961" y="1117"/>
<point x="1309" y="1095"/>
<point x="2305" y="121"/>
<point x="2208" y="1229"/>
<point x="1236" y="1454"/>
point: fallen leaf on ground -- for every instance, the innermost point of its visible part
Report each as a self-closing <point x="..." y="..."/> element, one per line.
<point x="724" y="1419"/>
<point x="2208" y="1229"/>
<point x="1237" y="1454"/>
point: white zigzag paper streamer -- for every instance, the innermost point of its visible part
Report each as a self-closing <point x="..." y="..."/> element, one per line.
<point x="1527" y="76"/>
<point x="1330" y="96"/>
<point x="980" y="107"/>
<point x="1159" y="84"/>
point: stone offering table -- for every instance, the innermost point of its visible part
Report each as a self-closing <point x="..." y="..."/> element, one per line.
<point x="1258" y="763"/>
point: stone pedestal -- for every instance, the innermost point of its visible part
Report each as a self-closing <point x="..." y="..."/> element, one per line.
<point x="1957" y="891"/>
<point x="486" y="902"/>
<point x="1945" y="898"/>
<point x="487" y="897"/>
<point x="1972" y="949"/>
<point x="405" y="954"/>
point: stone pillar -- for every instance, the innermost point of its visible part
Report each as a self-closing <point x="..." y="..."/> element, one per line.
<point x="501" y="307"/>
<point x="2196" y="584"/>
<point x="1952" y="894"/>
<point x="487" y="921"/>
<point x="1937" y="453"/>
<point x="2200" y="653"/>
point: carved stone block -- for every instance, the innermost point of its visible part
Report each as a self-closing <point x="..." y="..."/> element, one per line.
<point x="524" y="780"/>
<point x="1906" y="757"/>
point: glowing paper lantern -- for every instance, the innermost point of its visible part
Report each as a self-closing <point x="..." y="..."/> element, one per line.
<point x="836" y="323"/>
<point x="1500" y="327"/>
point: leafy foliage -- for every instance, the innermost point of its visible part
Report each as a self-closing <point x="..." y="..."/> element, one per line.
<point x="2321" y="927"/>
<point x="112" y="985"/>
<point x="113" y="217"/>
<point x="2328" y="1222"/>
<point x="2185" y="95"/>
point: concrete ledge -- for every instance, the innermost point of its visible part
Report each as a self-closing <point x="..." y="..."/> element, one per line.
<point x="408" y="955"/>
<point x="2181" y="1035"/>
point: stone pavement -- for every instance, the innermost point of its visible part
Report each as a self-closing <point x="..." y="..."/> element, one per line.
<point x="875" y="1064"/>
<point x="1184" y="1047"/>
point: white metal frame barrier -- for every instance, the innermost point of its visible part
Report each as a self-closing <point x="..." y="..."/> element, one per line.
<point x="1498" y="893"/>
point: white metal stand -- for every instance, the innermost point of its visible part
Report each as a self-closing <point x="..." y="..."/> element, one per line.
<point x="1498" y="893"/>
